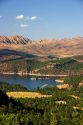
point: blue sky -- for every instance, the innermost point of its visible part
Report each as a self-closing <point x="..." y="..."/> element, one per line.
<point x="41" y="19"/>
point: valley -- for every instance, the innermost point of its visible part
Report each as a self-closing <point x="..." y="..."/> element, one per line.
<point x="41" y="82"/>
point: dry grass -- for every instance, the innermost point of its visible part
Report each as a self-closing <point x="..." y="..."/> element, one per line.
<point x="75" y="107"/>
<point x="75" y="97"/>
<point x="26" y="95"/>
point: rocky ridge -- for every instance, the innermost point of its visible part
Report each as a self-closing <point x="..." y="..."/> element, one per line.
<point x="14" y="40"/>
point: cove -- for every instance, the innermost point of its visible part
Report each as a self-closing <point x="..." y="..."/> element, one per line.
<point x="29" y="82"/>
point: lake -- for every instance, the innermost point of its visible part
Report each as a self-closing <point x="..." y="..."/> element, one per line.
<point x="28" y="82"/>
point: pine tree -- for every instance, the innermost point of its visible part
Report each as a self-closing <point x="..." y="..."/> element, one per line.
<point x="53" y="120"/>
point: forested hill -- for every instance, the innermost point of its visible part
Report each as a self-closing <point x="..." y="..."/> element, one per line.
<point x="58" y="66"/>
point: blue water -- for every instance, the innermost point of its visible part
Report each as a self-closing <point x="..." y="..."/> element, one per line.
<point x="27" y="81"/>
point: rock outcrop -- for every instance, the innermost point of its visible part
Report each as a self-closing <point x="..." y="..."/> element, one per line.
<point x="80" y="84"/>
<point x="63" y="86"/>
<point x="14" y="40"/>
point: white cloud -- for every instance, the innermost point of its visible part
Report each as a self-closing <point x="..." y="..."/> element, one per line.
<point x="20" y="17"/>
<point x="24" y="25"/>
<point x="33" y="18"/>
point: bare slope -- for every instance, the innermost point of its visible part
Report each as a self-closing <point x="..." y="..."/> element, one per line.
<point x="62" y="48"/>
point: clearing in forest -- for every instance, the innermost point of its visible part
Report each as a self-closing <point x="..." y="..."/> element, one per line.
<point x="26" y="95"/>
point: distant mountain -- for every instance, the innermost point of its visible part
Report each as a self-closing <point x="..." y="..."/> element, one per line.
<point x="60" y="48"/>
<point x="14" y="40"/>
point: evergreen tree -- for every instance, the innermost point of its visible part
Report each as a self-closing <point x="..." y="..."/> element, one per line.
<point x="53" y="120"/>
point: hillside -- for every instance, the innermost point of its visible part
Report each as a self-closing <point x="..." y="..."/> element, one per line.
<point x="60" y="48"/>
<point x="59" y="66"/>
<point x="21" y="55"/>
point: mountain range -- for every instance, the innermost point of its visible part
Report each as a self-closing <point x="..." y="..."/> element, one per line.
<point x="59" y="48"/>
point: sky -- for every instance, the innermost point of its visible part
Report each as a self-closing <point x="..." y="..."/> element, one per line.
<point x="41" y="19"/>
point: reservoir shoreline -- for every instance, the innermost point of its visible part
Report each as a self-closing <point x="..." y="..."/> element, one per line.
<point x="31" y="74"/>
